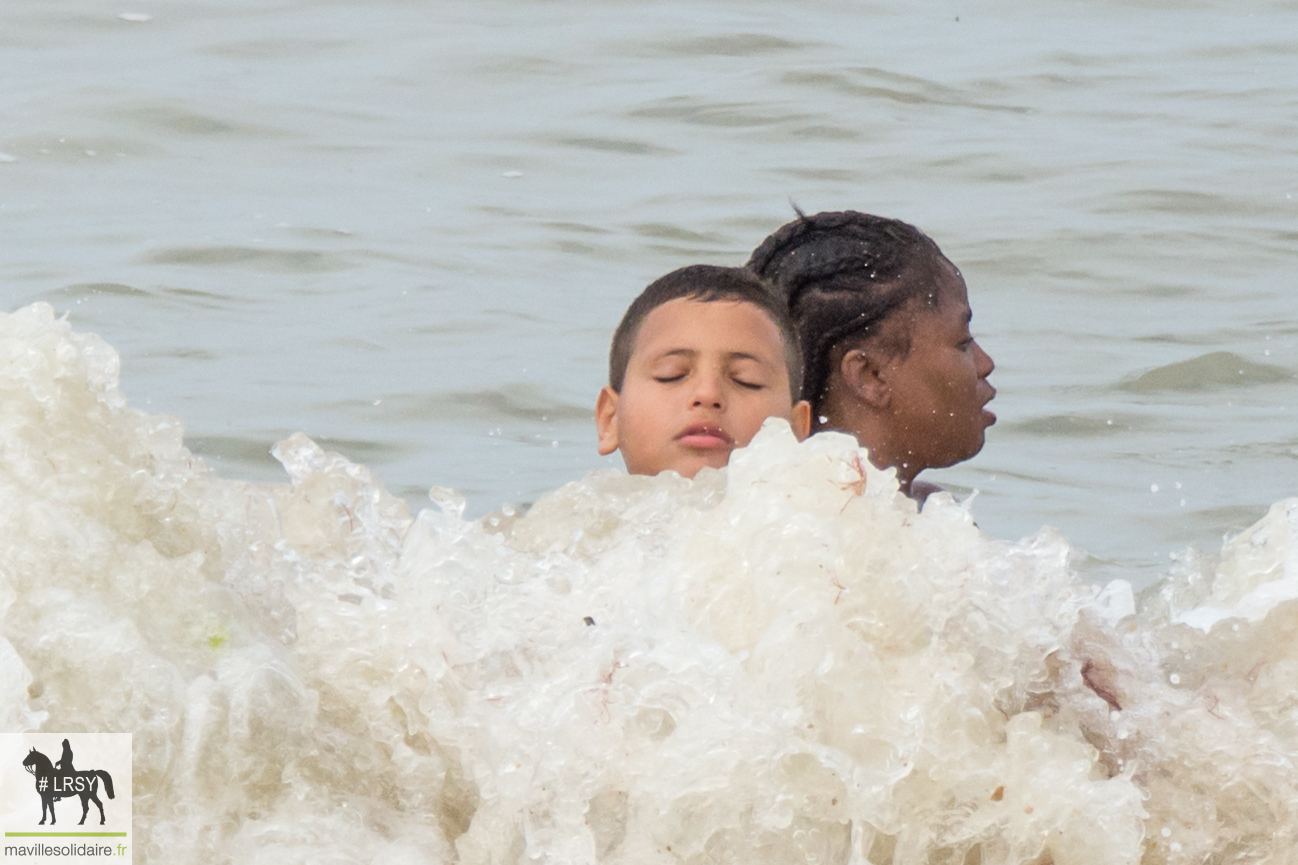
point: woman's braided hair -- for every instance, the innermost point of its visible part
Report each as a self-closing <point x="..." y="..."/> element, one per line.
<point x="843" y="274"/>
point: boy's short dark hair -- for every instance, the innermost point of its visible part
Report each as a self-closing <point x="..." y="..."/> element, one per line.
<point x="705" y="283"/>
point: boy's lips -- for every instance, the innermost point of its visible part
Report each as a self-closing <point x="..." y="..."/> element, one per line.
<point x="987" y="413"/>
<point x="702" y="436"/>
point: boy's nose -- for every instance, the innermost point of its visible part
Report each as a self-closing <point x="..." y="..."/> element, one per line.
<point x="708" y="392"/>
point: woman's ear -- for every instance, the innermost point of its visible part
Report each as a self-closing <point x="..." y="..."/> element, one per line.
<point x="606" y="420"/>
<point x="864" y="373"/>
<point x="800" y="419"/>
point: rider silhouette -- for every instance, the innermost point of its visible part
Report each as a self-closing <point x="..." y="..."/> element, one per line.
<point x="65" y="762"/>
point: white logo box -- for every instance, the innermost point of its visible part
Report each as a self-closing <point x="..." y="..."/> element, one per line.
<point x="97" y="759"/>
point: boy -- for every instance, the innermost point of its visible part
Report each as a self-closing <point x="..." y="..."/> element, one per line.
<point x="702" y="357"/>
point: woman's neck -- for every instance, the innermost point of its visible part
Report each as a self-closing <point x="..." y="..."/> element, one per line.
<point x="874" y="434"/>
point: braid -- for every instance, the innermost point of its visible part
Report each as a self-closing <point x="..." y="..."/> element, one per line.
<point x="842" y="275"/>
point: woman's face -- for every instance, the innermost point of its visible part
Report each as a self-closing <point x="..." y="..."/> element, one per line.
<point x="915" y="394"/>
<point x="938" y="389"/>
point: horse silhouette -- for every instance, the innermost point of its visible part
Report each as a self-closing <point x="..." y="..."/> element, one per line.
<point x="53" y="784"/>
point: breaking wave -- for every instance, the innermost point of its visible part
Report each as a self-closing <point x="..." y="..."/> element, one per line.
<point x="781" y="662"/>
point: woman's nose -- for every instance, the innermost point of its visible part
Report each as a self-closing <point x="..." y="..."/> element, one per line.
<point x="984" y="362"/>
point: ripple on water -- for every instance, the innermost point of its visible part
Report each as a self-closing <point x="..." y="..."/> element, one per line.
<point x="725" y="45"/>
<point x="258" y="258"/>
<point x="667" y="231"/>
<point x="1268" y="451"/>
<point x="510" y="402"/>
<point x="95" y="289"/>
<point x="185" y="353"/>
<point x="1185" y="202"/>
<point x="172" y="117"/>
<point x="255" y="452"/>
<point x="704" y="112"/>
<point x="203" y="299"/>
<point x="871" y="83"/>
<point x="1224" y="336"/>
<point x="616" y="145"/>
<point x="1225" y="519"/>
<point x="274" y="49"/>
<point x="522" y="67"/>
<point x="1080" y="426"/>
<point x="828" y="175"/>
<point x="1217" y="369"/>
<point x="89" y="150"/>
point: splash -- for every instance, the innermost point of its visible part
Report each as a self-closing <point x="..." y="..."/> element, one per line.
<point x="781" y="662"/>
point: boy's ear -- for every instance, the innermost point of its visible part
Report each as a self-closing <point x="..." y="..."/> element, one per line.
<point x="606" y="420"/>
<point x="800" y="419"/>
<point x="865" y="372"/>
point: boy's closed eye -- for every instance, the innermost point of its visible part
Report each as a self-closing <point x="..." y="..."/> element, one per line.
<point x="750" y="373"/>
<point x="670" y="374"/>
<point x="750" y="380"/>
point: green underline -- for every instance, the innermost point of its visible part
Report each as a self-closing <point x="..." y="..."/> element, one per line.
<point x="65" y="834"/>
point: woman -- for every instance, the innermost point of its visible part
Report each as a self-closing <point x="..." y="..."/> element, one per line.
<point x="883" y="317"/>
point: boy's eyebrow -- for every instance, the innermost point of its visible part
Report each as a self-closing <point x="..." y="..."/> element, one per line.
<point x="743" y="355"/>
<point x="687" y="352"/>
<point x="691" y="352"/>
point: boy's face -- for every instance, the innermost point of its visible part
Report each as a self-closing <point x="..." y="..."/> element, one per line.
<point x="939" y="388"/>
<point x="701" y="379"/>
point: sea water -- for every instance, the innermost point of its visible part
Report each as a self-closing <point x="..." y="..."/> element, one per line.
<point x="781" y="661"/>
<point x="408" y="230"/>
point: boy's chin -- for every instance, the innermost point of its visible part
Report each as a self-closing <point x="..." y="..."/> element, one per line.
<point x="695" y="463"/>
<point x="684" y="462"/>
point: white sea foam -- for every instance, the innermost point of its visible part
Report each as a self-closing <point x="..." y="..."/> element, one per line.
<point x="780" y="662"/>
